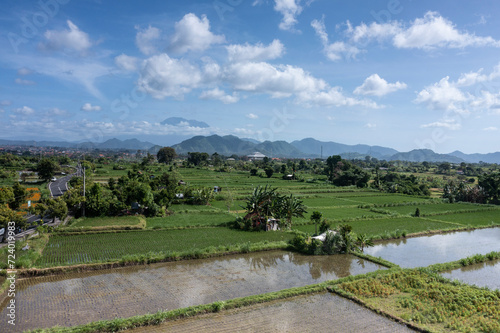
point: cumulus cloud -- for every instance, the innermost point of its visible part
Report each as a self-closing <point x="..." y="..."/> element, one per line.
<point x="146" y="38"/>
<point x="87" y="107"/>
<point x="490" y="129"/>
<point x="374" y="85"/>
<point x="290" y="9"/>
<point x="442" y="95"/>
<point x="427" y="33"/>
<point x="337" y="50"/>
<point x="433" y="31"/>
<point x="126" y="62"/>
<point x="257" y="52"/>
<point x="162" y="76"/>
<point x="25" y="111"/>
<point x="193" y="34"/>
<point x="72" y="39"/>
<point x="220" y="95"/>
<point x="24" y="82"/>
<point x="462" y="95"/>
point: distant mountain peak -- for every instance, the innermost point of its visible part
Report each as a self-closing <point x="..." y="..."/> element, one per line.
<point x="179" y="121"/>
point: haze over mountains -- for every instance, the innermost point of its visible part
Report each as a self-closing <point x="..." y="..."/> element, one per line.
<point x="305" y="148"/>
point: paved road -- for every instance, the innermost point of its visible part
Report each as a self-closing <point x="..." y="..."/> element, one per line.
<point x="58" y="187"/>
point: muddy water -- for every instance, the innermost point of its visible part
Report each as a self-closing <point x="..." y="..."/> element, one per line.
<point x="486" y="274"/>
<point x="428" y="250"/>
<point x="81" y="298"/>
<point x="313" y="313"/>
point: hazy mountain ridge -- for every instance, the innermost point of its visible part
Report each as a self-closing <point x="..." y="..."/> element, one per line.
<point x="306" y="148"/>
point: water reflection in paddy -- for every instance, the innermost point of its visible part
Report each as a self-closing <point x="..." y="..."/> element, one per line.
<point x="81" y="298"/>
<point x="323" y="312"/>
<point x="428" y="250"/>
<point x="486" y="274"/>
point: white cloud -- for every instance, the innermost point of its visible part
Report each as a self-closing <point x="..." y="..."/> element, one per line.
<point x="193" y="34"/>
<point x="57" y="112"/>
<point x="258" y="52"/>
<point x="290" y="9"/>
<point x="72" y="39"/>
<point x="490" y="129"/>
<point x="146" y="38"/>
<point x="370" y="125"/>
<point x="374" y="85"/>
<point x="162" y="76"/>
<point x="24" y="71"/>
<point x="427" y="33"/>
<point x="334" y="51"/>
<point x="442" y="95"/>
<point x="25" y="111"/>
<point x="434" y="31"/>
<point x="24" y="82"/>
<point x="220" y="95"/>
<point x="453" y="96"/>
<point x="252" y="116"/>
<point x="87" y="107"/>
<point x="280" y="81"/>
<point x="5" y="102"/>
<point x="448" y="124"/>
<point x="126" y="62"/>
<point x="333" y="97"/>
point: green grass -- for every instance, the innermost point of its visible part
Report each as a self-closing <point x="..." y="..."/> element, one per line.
<point x="383" y="226"/>
<point x="181" y="219"/>
<point x="106" y="221"/>
<point x="388" y="199"/>
<point x="475" y="219"/>
<point x="101" y="247"/>
<point x="434" y="208"/>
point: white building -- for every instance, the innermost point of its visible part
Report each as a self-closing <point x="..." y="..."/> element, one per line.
<point x="256" y="156"/>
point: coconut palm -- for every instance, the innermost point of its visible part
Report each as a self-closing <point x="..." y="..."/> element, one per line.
<point x="290" y="207"/>
<point x="363" y="241"/>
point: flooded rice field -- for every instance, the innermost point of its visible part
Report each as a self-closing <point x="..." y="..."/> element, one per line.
<point x="81" y="298"/>
<point x="428" y="250"/>
<point x="486" y="274"/>
<point x="323" y="312"/>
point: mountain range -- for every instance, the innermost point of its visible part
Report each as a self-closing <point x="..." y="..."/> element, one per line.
<point x="305" y="148"/>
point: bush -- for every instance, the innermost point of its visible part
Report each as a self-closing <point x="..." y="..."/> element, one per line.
<point x="324" y="226"/>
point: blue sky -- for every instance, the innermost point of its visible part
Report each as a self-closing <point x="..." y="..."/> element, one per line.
<point x="397" y="73"/>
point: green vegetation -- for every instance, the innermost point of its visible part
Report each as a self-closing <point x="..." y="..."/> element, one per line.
<point x="427" y="300"/>
<point x="103" y="247"/>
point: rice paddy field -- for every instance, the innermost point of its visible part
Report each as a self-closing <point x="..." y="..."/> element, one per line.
<point x="201" y="231"/>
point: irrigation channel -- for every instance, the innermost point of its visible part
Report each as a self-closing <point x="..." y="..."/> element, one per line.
<point x="441" y="248"/>
<point x="80" y="298"/>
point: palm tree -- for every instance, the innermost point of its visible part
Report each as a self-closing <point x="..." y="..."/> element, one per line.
<point x="363" y="241"/>
<point x="291" y="207"/>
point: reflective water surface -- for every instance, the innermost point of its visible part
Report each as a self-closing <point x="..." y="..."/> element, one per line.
<point x="85" y="297"/>
<point x="428" y="250"/>
<point x="486" y="274"/>
<point x="311" y="313"/>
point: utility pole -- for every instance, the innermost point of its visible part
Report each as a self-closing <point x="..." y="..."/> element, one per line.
<point x="83" y="191"/>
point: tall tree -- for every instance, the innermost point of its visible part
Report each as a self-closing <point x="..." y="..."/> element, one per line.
<point x="166" y="155"/>
<point x="46" y="169"/>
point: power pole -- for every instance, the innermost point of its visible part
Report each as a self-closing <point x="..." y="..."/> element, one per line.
<point x="83" y="191"/>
